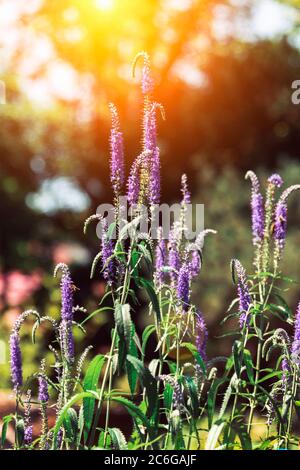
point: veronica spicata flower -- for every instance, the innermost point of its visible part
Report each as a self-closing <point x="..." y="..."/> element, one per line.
<point x="296" y="339"/>
<point x="16" y="360"/>
<point x="257" y="209"/>
<point x="243" y="293"/>
<point x="280" y="220"/>
<point x="117" y="169"/>
<point x="183" y="286"/>
<point x="67" y="304"/>
<point x="201" y="335"/>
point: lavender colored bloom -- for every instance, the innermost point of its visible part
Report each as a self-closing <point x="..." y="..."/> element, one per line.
<point x="154" y="189"/>
<point x="27" y="420"/>
<point x="276" y="180"/>
<point x="183" y="286"/>
<point x="243" y="294"/>
<point x="186" y="195"/>
<point x="66" y="296"/>
<point x="150" y="132"/>
<point x="201" y="335"/>
<point x="195" y="264"/>
<point x="257" y="209"/>
<point x="28" y="435"/>
<point x="43" y="389"/>
<point x="296" y="339"/>
<point x="117" y="167"/>
<point x="133" y="183"/>
<point x="280" y="224"/>
<point x="15" y="360"/>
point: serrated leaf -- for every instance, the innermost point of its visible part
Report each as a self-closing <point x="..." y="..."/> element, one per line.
<point x="117" y="438"/>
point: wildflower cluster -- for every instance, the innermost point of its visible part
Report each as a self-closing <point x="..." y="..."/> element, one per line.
<point x="179" y="397"/>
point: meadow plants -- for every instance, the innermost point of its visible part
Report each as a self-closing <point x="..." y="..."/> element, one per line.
<point x="177" y="396"/>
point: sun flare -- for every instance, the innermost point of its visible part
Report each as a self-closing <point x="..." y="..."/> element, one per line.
<point x="104" y="4"/>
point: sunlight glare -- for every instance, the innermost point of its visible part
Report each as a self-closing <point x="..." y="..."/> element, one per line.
<point x="104" y="4"/>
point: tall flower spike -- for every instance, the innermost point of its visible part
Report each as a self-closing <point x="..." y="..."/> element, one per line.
<point x="274" y="181"/>
<point x="296" y="340"/>
<point x="109" y="266"/>
<point x="243" y="293"/>
<point x="117" y="168"/>
<point x="67" y="304"/>
<point x="147" y="83"/>
<point x="280" y="221"/>
<point x="257" y="209"/>
<point x="28" y="429"/>
<point x="43" y="385"/>
<point x="186" y="195"/>
<point x="195" y="264"/>
<point x="201" y="335"/>
<point x="183" y="286"/>
<point x="15" y="360"/>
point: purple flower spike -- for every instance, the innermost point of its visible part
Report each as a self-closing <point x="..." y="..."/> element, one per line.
<point x="43" y="390"/>
<point x="296" y="340"/>
<point x="186" y="195"/>
<point x="147" y="84"/>
<point x="66" y="296"/>
<point x="109" y="271"/>
<point x="117" y="168"/>
<point x="276" y="180"/>
<point x="257" y="209"/>
<point x="280" y="225"/>
<point x="201" y="335"/>
<point x="154" y="190"/>
<point x="15" y="360"/>
<point x="183" y="286"/>
<point x="28" y="435"/>
<point x="133" y="184"/>
<point x="195" y="264"/>
<point x="243" y="293"/>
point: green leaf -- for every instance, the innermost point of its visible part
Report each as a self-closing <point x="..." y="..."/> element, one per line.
<point x="236" y="357"/>
<point x="133" y="410"/>
<point x="214" y="434"/>
<point x="148" y="382"/>
<point x="90" y="384"/>
<point x="193" y="395"/>
<point x="117" y="438"/>
<point x="71" y="425"/>
<point x="63" y="413"/>
<point x="124" y="330"/>
<point x="168" y="395"/>
<point x="193" y="350"/>
<point x="20" y="429"/>
<point x="146" y="335"/>
<point x="6" y="420"/>
<point x="249" y="365"/>
<point x="132" y="374"/>
<point x="211" y="400"/>
<point x="153" y="297"/>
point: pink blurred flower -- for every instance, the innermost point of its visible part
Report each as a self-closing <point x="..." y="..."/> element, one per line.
<point x="16" y="287"/>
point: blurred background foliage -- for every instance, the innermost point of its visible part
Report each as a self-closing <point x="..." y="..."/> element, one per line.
<point x="223" y="71"/>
